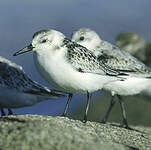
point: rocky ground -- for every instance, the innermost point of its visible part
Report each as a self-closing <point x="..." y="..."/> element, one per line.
<point x="34" y="132"/>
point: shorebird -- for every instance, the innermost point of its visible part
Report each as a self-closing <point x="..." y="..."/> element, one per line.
<point x="18" y="90"/>
<point x="69" y="66"/>
<point x="138" y="74"/>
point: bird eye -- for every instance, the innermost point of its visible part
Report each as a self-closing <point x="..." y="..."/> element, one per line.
<point x="43" y="41"/>
<point x="81" y="38"/>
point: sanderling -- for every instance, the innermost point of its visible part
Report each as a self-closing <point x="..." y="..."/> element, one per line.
<point x="68" y="66"/>
<point x="138" y="74"/>
<point x="18" y="90"/>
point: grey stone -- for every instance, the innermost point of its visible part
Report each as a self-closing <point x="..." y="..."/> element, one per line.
<point x="34" y="132"/>
<point x="135" y="45"/>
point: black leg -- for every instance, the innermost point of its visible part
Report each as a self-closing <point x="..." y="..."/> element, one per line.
<point x="2" y="112"/>
<point x="121" y="101"/>
<point x="10" y="111"/>
<point x="109" y="109"/>
<point x="67" y="105"/>
<point x="87" y="107"/>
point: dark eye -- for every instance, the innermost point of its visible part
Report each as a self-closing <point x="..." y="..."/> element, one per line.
<point x="43" y="41"/>
<point x="81" y="38"/>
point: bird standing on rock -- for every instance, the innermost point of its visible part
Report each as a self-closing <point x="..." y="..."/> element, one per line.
<point x="69" y="66"/>
<point x="138" y="75"/>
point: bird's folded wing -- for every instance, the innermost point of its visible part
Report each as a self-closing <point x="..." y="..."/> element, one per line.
<point x="16" y="79"/>
<point x="123" y="62"/>
<point x="85" y="61"/>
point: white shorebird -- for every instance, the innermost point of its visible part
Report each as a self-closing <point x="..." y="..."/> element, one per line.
<point x="68" y="66"/>
<point x="138" y="74"/>
<point x="18" y="90"/>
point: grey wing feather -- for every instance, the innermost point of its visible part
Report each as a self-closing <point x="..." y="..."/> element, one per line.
<point x="122" y="61"/>
<point x="15" y="78"/>
<point x="84" y="60"/>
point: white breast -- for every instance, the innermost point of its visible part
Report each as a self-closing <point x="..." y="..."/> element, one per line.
<point x="54" y="68"/>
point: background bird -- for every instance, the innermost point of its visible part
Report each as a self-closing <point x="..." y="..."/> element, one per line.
<point x="18" y="90"/>
<point x="138" y="74"/>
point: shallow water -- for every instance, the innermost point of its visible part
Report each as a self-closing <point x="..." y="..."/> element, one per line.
<point x="20" y="19"/>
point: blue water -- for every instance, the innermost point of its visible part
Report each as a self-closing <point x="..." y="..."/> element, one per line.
<point x="20" y="19"/>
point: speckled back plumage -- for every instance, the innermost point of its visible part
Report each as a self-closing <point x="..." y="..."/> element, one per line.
<point x="84" y="60"/>
<point x="109" y="54"/>
<point x="122" y="61"/>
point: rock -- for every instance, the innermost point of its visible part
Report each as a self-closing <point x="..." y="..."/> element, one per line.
<point x="34" y="132"/>
<point x="148" y="55"/>
<point x="132" y="43"/>
<point x="135" y="45"/>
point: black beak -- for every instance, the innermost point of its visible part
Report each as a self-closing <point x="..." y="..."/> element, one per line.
<point x="24" y="50"/>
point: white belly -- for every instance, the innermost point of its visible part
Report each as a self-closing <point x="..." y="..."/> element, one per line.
<point x="57" y="72"/>
<point x="130" y="86"/>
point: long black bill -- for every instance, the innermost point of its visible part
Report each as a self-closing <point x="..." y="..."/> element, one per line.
<point x="24" y="50"/>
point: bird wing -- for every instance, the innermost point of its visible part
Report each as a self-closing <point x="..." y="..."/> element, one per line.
<point x="122" y="61"/>
<point x="16" y="79"/>
<point x="85" y="61"/>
